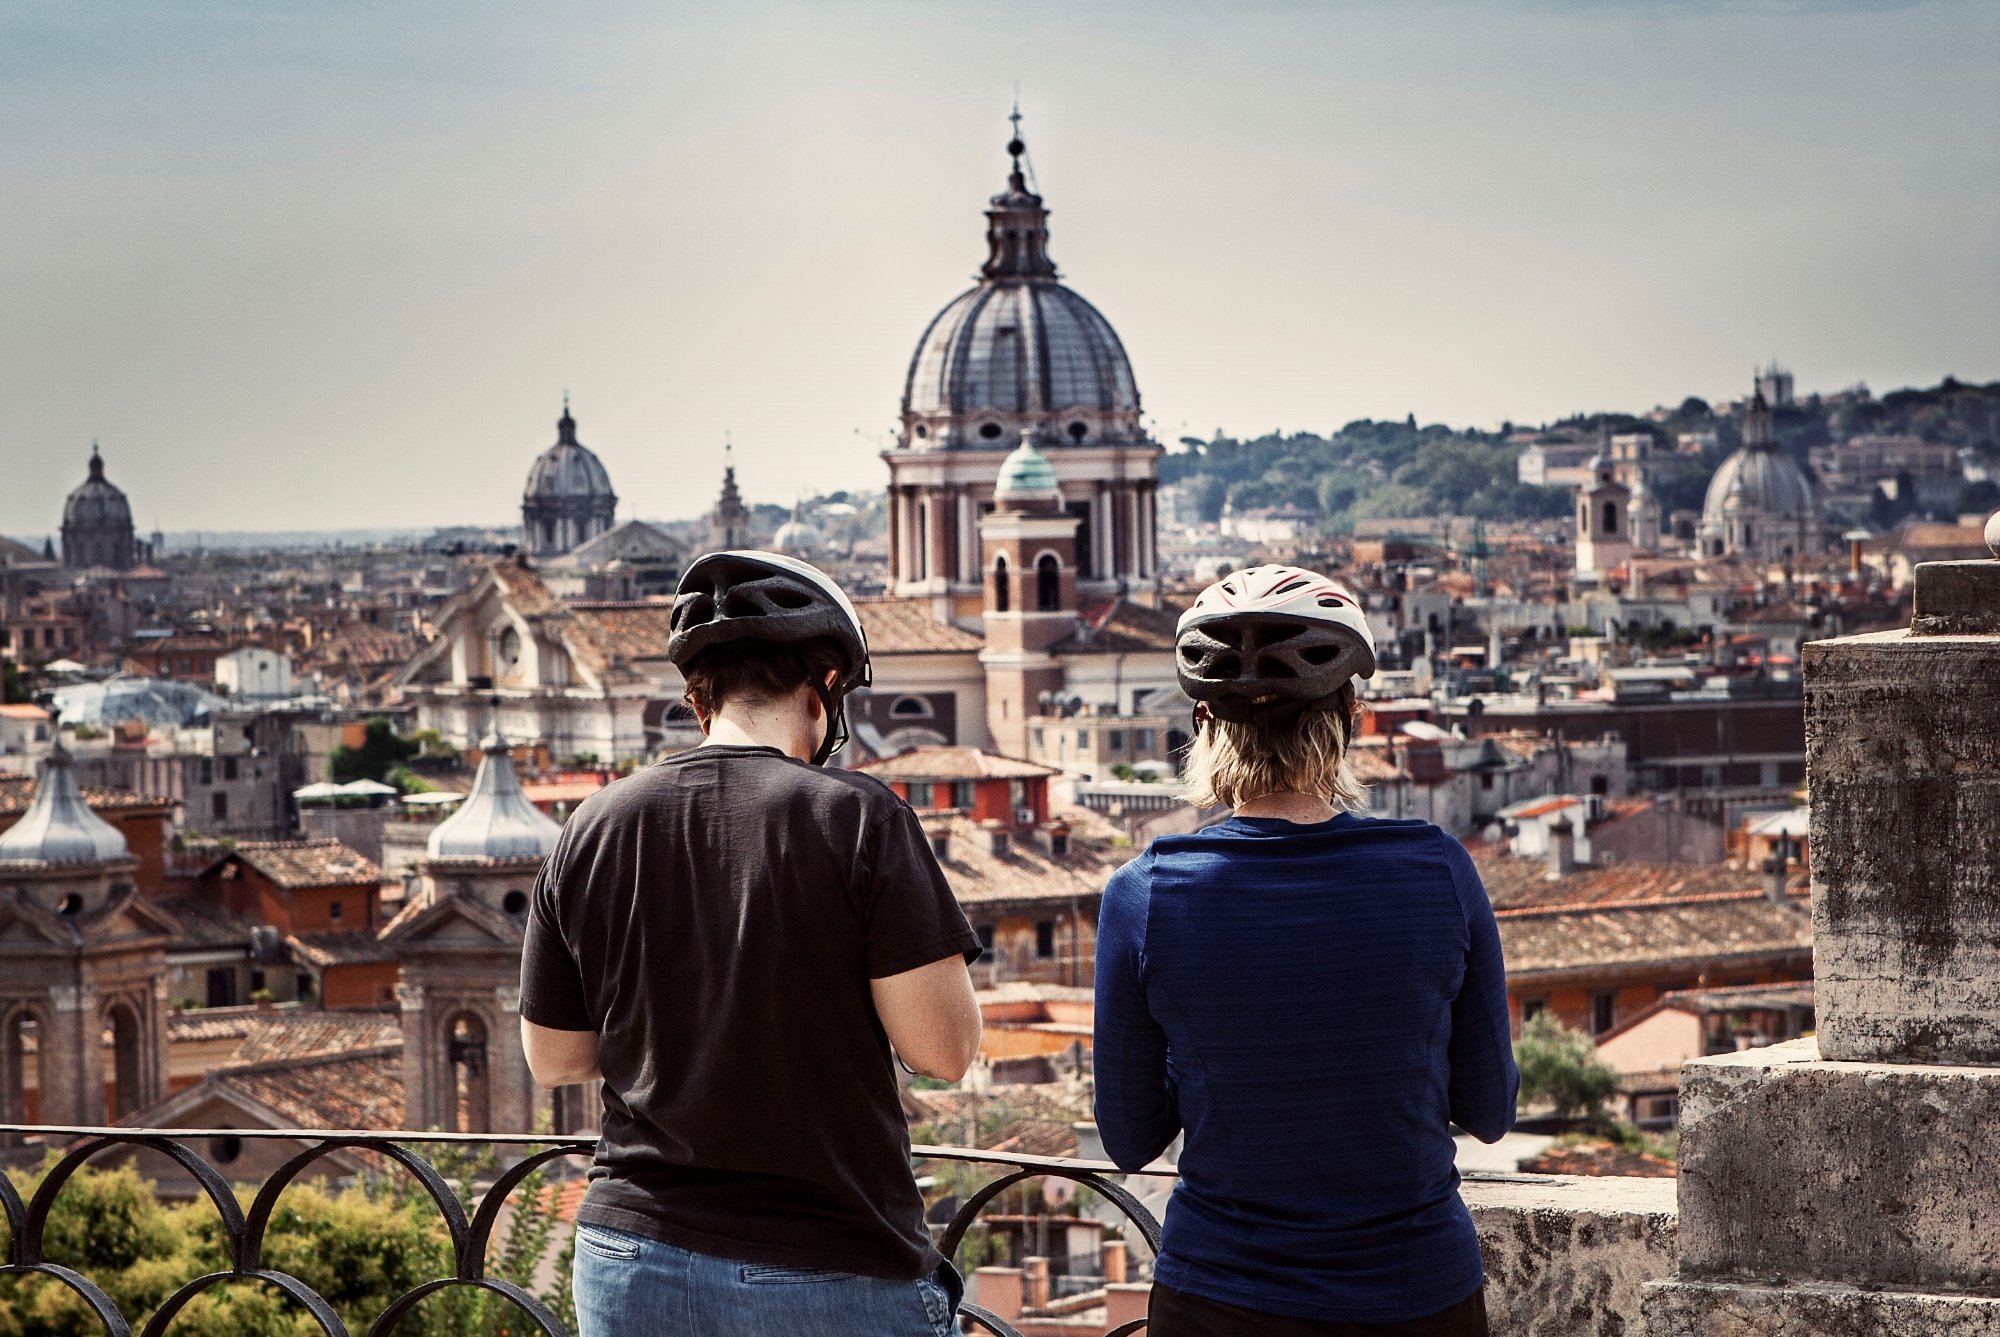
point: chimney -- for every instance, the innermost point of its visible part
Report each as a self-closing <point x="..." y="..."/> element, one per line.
<point x="1775" y="878"/>
<point x="1115" y="1260"/>
<point x="1059" y="838"/>
<point x="940" y="843"/>
<point x="1562" y="849"/>
<point x="994" y="837"/>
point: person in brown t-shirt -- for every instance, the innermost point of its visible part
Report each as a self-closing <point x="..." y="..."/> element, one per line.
<point x="740" y="942"/>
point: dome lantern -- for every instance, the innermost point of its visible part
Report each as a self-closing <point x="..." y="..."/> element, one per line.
<point x="1026" y="476"/>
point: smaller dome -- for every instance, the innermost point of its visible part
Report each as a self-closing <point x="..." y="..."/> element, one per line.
<point x="568" y="468"/>
<point x="798" y="537"/>
<point x="97" y="500"/>
<point x="59" y="827"/>
<point x="1026" y="474"/>
<point x="496" y="821"/>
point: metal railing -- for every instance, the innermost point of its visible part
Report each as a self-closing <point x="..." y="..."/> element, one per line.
<point x="469" y="1235"/>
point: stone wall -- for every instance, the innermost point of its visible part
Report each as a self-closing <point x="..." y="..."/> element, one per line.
<point x="1568" y="1256"/>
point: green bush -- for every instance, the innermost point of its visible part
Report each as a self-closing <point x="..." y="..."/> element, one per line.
<point x="359" y="1247"/>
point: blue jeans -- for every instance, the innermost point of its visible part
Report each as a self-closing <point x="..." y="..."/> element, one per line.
<point x="630" y="1286"/>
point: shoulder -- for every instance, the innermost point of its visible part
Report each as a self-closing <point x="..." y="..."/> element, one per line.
<point x="1133" y="882"/>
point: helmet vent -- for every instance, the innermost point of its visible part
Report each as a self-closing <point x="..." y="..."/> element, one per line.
<point x="786" y="597"/>
<point x="1269" y="666"/>
<point x="1319" y="654"/>
<point x="739" y="603"/>
<point x="1297" y="582"/>
<point x="1330" y="601"/>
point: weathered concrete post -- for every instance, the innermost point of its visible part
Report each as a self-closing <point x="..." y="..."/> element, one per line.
<point x="1849" y="1183"/>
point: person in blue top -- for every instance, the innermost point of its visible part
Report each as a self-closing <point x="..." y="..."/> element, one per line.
<point x="1311" y="998"/>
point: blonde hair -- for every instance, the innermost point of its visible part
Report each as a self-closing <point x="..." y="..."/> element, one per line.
<point x="1234" y="762"/>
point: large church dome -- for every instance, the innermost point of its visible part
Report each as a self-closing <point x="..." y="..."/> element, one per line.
<point x="1759" y="505"/>
<point x="1018" y="350"/>
<point x="568" y="468"/>
<point x="97" y="523"/>
<point x="1769" y="483"/>
<point x="97" y="501"/>
<point x="568" y="500"/>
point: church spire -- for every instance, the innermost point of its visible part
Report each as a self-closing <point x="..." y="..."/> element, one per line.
<point x="1017" y="224"/>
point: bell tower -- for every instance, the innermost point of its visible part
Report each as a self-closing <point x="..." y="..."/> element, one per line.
<point x="459" y="944"/>
<point x="1028" y="543"/>
<point x="81" y="954"/>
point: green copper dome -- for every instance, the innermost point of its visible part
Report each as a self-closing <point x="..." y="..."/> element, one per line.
<point x="1026" y="473"/>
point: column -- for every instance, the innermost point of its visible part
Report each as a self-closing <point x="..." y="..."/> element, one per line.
<point x="1850" y="1182"/>
<point x="938" y="507"/>
<point x="894" y="525"/>
<point x="969" y="557"/>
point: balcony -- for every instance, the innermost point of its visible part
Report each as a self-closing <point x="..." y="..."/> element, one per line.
<point x="1565" y="1257"/>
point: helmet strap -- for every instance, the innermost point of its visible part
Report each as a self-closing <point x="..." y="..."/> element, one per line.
<point x="835" y="713"/>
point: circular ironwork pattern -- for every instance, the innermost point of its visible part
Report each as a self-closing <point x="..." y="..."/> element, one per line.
<point x="469" y="1236"/>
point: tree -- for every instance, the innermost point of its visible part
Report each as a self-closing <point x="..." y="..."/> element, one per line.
<point x="1560" y="1067"/>
<point x="380" y="749"/>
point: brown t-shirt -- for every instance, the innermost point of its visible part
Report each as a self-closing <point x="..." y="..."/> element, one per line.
<point x="716" y="919"/>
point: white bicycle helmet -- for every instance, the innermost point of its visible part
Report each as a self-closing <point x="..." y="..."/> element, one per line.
<point x="1272" y="638"/>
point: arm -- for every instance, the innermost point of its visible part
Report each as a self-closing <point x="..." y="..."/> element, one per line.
<point x="1484" y="1081"/>
<point x="1137" y="1116"/>
<point x="931" y="1017"/>
<point x="557" y="1032"/>
<point x="559" y="1058"/>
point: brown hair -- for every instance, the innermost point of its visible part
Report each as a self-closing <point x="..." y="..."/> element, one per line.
<point x="757" y="672"/>
<point x="1233" y="762"/>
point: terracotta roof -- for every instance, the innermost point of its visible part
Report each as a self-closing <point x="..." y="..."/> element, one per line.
<point x="205" y="923"/>
<point x="285" y="1033"/>
<point x="1370" y="763"/>
<point x="288" y="1035"/>
<point x="18" y="791"/>
<point x="22" y="712"/>
<point x="906" y="627"/>
<point x="1027" y="873"/>
<point x="363" y="645"/>
<point x="1665" y="934"/>
<point x="307" y="863"/>
<point x="631" y="633"/>
<point x="954" y="763"/>
<point x="1516" y="883"/>
<point x="1711" y="1002"/>
<point x="361" y="1090"/>
<point x="1123" y="627"/>
<point x="525" y="590"/>
<point x="340" y="949"/>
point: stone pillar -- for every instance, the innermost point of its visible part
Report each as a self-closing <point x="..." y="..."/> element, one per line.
<point x="1850" y="1182"/>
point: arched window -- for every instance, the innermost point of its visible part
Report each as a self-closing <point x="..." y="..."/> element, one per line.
<point x="1611" y="517"/>
<point x="1003" y="597"/>
<point x="465" y="1052"/>
<point x="19" y="1032"/>
<point x="911" y="707"/>
<point x="126" y="1079"/>
<point x="1048" y="583"/>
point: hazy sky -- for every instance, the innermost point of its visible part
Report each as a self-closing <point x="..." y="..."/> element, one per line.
<point x="302" y="264"/>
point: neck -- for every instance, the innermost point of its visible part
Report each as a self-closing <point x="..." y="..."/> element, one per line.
<point x="1302" y="809"/>
<point x="792" y="727"/>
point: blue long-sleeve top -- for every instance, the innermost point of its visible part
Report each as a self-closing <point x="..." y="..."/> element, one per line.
<point x="1314" y="1005"/>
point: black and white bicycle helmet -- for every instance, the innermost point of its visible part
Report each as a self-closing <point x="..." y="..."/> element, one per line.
<point x="725" y="597"/>
<point x="1272" y="638"/>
